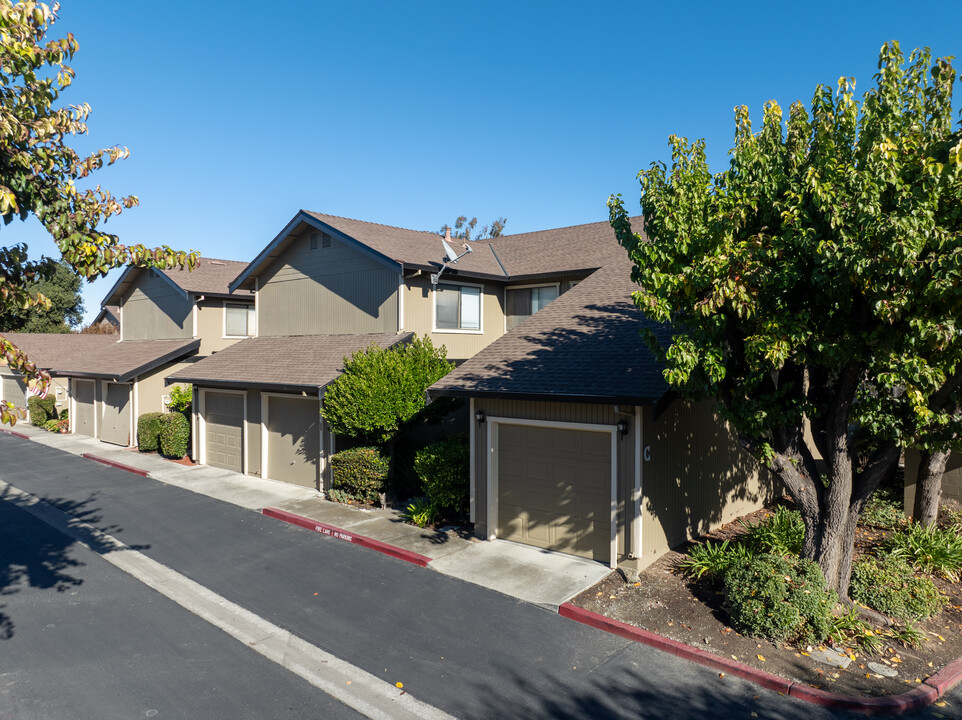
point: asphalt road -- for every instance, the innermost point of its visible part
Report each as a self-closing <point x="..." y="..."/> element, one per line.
<point x="464" y="650"/>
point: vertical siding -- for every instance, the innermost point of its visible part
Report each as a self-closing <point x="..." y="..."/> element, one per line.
<point x="555" y="412"/>
<point x="326" y="291"/>
<point x="697" y="479"/>
<point x="155" y="311"/>
<point x="254" y="432"/>
<point x="419" y="316"/>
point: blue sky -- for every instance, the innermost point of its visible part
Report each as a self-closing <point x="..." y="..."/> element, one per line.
<point x="237" y="114"/>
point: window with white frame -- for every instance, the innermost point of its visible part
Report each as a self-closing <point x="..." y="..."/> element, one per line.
<point x="457" y="307"/>
<point x="238" y="320"/>
<point x="525" y="302"/>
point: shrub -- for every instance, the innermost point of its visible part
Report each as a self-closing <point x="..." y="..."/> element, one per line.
<point x="181" y="397"/>
<point x="889" y="585"/>
<point x="41" y="409"/>
<point x="779" y="599"/>
<point x="932" y="550"/>
<point x="63" y="424"/>
<point x="782" y="533"/>
<point x="174" y="435"/>
<point x="340" y="496"/>
<point x="53" y="425"/>
<point x="421" y="512"/>
<point x="148" y="431"/>
<point x="443" y="467"/>
<point x="361" y="472"/>
<point x="381" y="390"/>
<point x="714" y="559"/>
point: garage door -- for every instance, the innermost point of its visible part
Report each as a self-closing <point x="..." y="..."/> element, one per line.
<point x="14" y="391"/>
<point x="293" y="444"/>
<point x="224" y="428"/>
<point x="83" y="394"/>
<point x="116" y="421"/>
<point x="554" y="489"/>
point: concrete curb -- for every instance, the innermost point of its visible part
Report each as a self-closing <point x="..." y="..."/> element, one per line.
<point x="14" y="433"/>
<point x="340" y="534"/>
<point x="918" y="697"/>
<point x="115" y="464"/>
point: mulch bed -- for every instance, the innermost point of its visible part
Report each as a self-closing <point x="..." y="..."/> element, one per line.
<point x="693" y="612"/>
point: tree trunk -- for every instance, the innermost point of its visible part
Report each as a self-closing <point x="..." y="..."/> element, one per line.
<point x="928" y="487"/>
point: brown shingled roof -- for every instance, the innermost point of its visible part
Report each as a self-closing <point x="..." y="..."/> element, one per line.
<point x="211" y="276"/>
<point x="583" y="346"/>
<point x="303" y="361"/>
<point x="99" y="356"/>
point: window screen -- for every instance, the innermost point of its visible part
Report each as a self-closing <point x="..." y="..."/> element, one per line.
<point x="458" y="307"/>
<point x="239" y="321"/>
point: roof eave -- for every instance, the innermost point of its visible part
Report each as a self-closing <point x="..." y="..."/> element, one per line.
<point x="543" y="396"/>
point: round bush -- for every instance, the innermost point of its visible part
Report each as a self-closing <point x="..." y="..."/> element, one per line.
<point x="889" y="585"/>
<point x="148" y="431"/>
<point x="174" y="435"/>
<point x="41" y="409"/>
<point x="779" y="599"/>
<point x="443" y="467"/>
<point x="360" y="472"/>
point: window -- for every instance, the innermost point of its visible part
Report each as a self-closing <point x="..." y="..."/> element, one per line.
<point x="457" y="307"/>
<point x="238" y="320"/>
<point x="525" y="302"/>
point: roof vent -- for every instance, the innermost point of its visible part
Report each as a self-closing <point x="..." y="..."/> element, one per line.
<point x="216" y="262"/>
<point x="325" y="240"/>
<point x="313" y="241"/>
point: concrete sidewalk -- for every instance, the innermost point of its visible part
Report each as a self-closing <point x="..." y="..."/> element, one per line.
<point x="542" y="578"/>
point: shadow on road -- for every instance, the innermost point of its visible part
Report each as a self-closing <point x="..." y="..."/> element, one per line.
<point x="34" y="554"/>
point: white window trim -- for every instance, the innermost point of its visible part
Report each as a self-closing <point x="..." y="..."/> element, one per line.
<point x="247" y="306"/>
<point x="265" y="404"/>
<point x="456" y="331"/>
<point x="508" y="288"/>
<point x="202" y="418"/>
<point x="492" y="444"/>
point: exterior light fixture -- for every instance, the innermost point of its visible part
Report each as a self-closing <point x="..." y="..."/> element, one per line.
<point x="479" y="416"/>
<point x="622" y="427"/>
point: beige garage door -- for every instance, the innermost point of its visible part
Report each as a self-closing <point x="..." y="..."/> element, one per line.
<point x="116" y="419"/>
<point x="224" y="427"/>
<point x="83" y="395"/>
<point x="14" y="391"/>
<point x="293" y="445"/>
<point x="554" y="489"/>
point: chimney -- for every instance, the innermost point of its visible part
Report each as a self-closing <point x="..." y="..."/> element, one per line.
<point x="447" y="234"/>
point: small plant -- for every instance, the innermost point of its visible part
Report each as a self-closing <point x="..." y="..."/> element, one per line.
<point x="781" y="599"/>
<point x="909" y="635"/>
<point x="148" y="431"/>
<point x="52" y="425"/>
<point x="884" y="509"/>
<point x="888" y="584"/>
<point x="932" y="550"/>
<point x="174" y="435"/>
<point x="181" y="397"/>
<point x="340" y="496"/>
<point x="421" y="512"/>
<point x="443" y="467"/>
<point x="847" y="626"/>
<point x="63" y="424"/>
<point x="713" y="558"/>
<point x="361" y="472"/>
<point x="782" y="533"/>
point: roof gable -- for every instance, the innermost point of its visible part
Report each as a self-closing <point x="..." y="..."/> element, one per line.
<point x="211" y="276"/>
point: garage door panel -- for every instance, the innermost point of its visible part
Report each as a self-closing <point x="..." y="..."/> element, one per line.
<point x="554" y="488"/>
<point x="224" y="429"/>
<point x="116" y="414"/>
<point x="293" y="439"/>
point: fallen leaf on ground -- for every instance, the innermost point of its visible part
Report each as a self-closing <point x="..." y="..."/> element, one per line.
<point x="761" y="657"/>
<point x="399" y="684"/>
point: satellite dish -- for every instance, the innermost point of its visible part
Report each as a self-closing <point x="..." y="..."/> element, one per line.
<point x="449" y="252"/>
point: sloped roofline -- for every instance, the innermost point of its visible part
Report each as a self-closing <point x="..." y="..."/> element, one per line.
<point x="257" y="265"/>
<point x="128" y="271"/>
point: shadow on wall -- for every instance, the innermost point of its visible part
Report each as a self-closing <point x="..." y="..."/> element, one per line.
<point x="699" y="477"/>
<point x="37" y="556"/>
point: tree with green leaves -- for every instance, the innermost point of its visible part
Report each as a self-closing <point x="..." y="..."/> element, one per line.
<point x="816" y="282"/>
<point x="41" y="175"/>
<point x="382" y="391"/>
<point x="65" y="309"/>
<point x="463" y="229"/>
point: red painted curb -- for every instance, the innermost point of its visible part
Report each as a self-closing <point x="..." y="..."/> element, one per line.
<point x="112" y="463"/>
<point x="946" y="677"/>
<point x="14" y="433"/>
<point x="916" y="698"/>
<point x="370" y="543"/>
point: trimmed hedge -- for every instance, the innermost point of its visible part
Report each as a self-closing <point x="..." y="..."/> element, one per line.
<point x="443" y="467"/>
<point x="42" y="409"/>
<point x="174" y="435"/>
<point x="148" y="431"/>
<point x="361" y="472"/>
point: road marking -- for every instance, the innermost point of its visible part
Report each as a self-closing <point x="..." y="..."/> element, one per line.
<point x="356" y="688"/>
